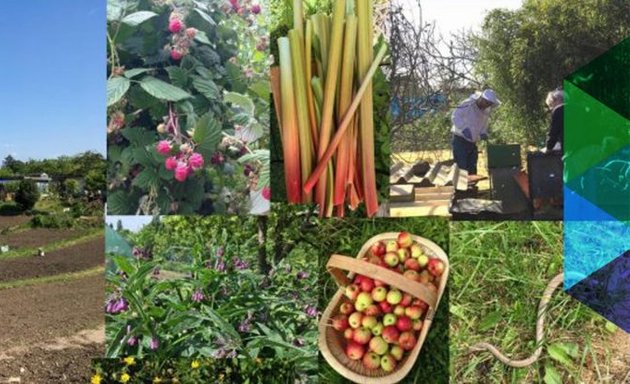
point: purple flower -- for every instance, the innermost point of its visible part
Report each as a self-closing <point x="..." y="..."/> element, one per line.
<point x="132" y="341"/>
<point x="310" y="311"/>
<point x="244" y="327"/>
<point x="116" y="305"/>
<point x="198" y="296"/>
<point x="154" y="344"/>
<point x="220" y="267"/>
<point x="220" y="251"/>
<point x="240" y="264"/>
<point x="302" y="275"/>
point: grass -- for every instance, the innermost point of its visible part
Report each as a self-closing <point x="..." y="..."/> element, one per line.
<point x="27" y="252"/>
<point x="499" y="271"/>
<point x="346" y="237"/>
<point x="53" y="279"/>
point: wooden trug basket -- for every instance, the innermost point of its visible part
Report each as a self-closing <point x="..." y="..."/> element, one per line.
<point x="331" y="342"/>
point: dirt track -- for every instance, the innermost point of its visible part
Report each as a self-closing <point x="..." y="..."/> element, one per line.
<point x="39" y="237"/>
<point x="72" y="259"/>
<point x="10" y="221"/>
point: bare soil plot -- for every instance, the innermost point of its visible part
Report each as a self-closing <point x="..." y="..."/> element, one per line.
<point x="11" y="221"/>
<point x="34" y="238"/>
<point x="72" y="259"/>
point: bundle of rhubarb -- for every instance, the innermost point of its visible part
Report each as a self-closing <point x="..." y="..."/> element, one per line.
<point x="324" y="107"/>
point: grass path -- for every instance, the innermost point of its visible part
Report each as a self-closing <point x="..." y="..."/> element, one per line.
<point x="64" y="277"/>
<point x="27" y="252"/>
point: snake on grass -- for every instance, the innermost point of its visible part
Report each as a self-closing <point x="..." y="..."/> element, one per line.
<point x="542" y="312"/>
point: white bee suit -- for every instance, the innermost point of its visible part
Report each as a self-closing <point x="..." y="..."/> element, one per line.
<point x="469" y="121"/>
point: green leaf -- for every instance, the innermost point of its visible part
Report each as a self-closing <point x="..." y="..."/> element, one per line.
<point x="124" y="265"/>
<point x="178" y="76"/>
<point x="552" y="376"/>
<point x="557" y="352"/>
<point x="241" y="101"/>
<point x="146" y="179"/>
<point x="611" y="327"/>
<point x="490" y="321"/>
<point x="118" y="204"/>
<point x="205" y="16"/>
<point x="207" y="88"/>
<point x="116" y="89"/>
<point x="139" y="136"/>
<point x="571" y="349"/>
<point x="202" y="38"/>
<point x="163" y="90"/>
<point x="135" y="72"/>
<point x="207" y="135"/>
<point x="138" y="18"/>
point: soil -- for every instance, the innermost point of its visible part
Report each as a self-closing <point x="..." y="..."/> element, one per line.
<point x="45" y="312"/>
<point x="12" y="221"/>
<point x="34" y="238"/>
<point x="72" y="259"/>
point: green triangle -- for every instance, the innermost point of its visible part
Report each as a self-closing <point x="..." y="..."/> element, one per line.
<point x="592" y="131"/>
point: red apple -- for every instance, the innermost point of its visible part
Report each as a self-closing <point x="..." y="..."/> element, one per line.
<point x="372" y="310"/>
<point x="366" y="284"/>
<point x="346" y="308"/>
<point x="414" y="313"/>
<point x="369" y="322"/>
<point x="411" y="274"/>
<point x="378" y="345"/>
<point x="412" y="264"/>
<point x="352" y="291"/>
<point x="378" y="249"/>
<point x="355" y="320"/>
<point x="407" y="341"/>
<point x="425" y="277"/>
<point x="404" y="239"/>
<point x="362" y="336"/>
<point x="355" y="351"/>
<point x="390" y="334"/>
<point x="406" y="300"/>
<point x="391" y="259"/>
<point x="436" y="267"/>
<point x="340" y="323"/>
<point x="404" y="324"/>
<point x="371" y="360"/>
<point x="388" y="363"/>
<point x="348" y="334"/>
<point x="378" y="283"/>
<point x="385" y="306"/>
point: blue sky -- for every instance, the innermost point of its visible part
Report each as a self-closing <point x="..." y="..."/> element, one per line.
<point x="132" y="223"/>
<point x="52" y="78"/>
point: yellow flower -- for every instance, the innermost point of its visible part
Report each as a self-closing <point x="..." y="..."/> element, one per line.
<point x="157" y="380"/>
<point x="129" y="360"/>
<point x="195" y="364"/>
<point x="96" y="379"/>
<point x="124" y="378"/>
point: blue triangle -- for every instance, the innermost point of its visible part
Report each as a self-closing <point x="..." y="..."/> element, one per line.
<point x="607" y="291"/>
<point x="590" y="245"/>
<point x="577" y="208"/>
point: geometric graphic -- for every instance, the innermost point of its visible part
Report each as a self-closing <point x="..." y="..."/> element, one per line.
<point x="597" y="184"/>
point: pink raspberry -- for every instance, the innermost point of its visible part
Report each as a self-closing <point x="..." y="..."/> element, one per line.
<point x="176" y="54"/>
<point x="181" y="172"/>
<point x="255" y="9"/>
<point x="195" y="161"/>
<point x="175" y="26"/>
<point x="266" y="193"/>
<point x="191" y="32"/>
<point x="164" y="147"/>
<point x="170" y="163"/>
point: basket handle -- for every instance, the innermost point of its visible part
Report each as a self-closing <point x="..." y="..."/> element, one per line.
<point x="337" y="264"/>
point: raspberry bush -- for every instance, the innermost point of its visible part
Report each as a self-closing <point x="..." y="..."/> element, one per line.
<point x="187" y="99"/>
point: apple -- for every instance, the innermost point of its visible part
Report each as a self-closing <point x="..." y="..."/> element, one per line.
<point x="406" y="300"/>
<point x="352" y="291"/>
<point x="436" y="267"/>
<point x="412" y="265"/>
<point x="404" y="239"/>
<point x="377" y="330"/>
<point x="411" y="274"/>
<point x="372" y="310"/>
<point x="419" y="303"/>
<point x="399" y="310"/>
<point x="366" y="284"/>
<point x="362" y="336"/>
<point x="425" y="277"/>
<point x="417" y="325"/>
<point x="379" y="294"/>
<point x="388" y="363"/>
<point x="385" y="306"/>
<point x="340" y="323"/>
<point x="391" y="334"/>
<point x="407" y="341"/>
<point x="371" y="360"/>
<point x="391" y="246"/>
<point x="363" y="301"/>
<point x="378" y="283"/>
<point x="391" y="259"/>
<point x="389" y="319"/>
<point x="431" y="287"/>
<point x="355" y="320"/>
<point x="355" y="351"/>
<point x="346" y="308"/>
<point x="396" y="352"/>
<point x="378" y="249"/>
<point x="394" y="296"/>
<point x="404" y="324"/>
<point x="378" y="345"/>
<point x="369" y="322"/>
<point x="415" y="250"/>
<point x="403" y="254"/>
<point x="348" y="334"/>
<point x="423" y="260"/>
<point x="414" y="313"/>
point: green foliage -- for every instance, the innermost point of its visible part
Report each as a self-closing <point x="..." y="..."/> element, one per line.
<point x="526" y="53"/>
<point x="148" y="89"/>
<point x="27" y="194"/>
<point x="52" y="221"/>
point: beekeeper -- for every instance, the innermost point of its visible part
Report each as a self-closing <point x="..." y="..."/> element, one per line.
<point x="555" y="103"/>
<point x="470" y="124"/>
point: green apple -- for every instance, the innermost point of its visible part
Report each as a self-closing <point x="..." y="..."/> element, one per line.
<point x="423" y="260"/>
<point x="364" y="300"/>
<point x="388" y="363"/>
<point x="391" y="246"/>
<point x="391" y="259"/>
<point x="369" y="322"/>
<point x="415" y="250"/>
<point x="379" y="294"/>
<point x="352" y="291"/>
<point x="403" y="254"/>
<point x="389" y="319"/>
<point x="371" y="360"/>
<point x="355" y="320"/>
<point x="396" y="352"/>
<point x="394" y="296"/>
<point x="378" y="345"/>
<point x="377" y="330"/>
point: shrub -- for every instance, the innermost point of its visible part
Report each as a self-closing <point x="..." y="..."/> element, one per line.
<point x="27" y="194"/>
<point x="52" y="221"/>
